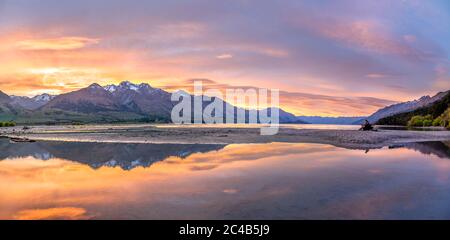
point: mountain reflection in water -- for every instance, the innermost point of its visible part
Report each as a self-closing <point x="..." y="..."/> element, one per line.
<point x="126" y="156"/>
<point x="440" y="149"/>
<point x="62" y="180"/>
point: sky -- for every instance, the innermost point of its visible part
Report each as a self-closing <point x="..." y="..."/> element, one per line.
<point x="327" y="57"/>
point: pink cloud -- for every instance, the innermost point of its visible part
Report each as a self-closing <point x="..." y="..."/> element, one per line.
<point x="224" y="56"/>
<point x="366" y="35"/>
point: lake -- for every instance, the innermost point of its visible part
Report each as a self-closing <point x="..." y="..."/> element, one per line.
<point x="295" y="126"/>
<point x="63" y="180"/>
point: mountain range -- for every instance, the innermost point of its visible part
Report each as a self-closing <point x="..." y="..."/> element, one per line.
<point x="128" y="102"/>
<point x="434" y="107"/>
<point x="406" y="107"/>
<point x="125" y="102"/>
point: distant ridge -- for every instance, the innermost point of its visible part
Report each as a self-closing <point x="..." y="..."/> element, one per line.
<point x="7" y="110"/>
<point x="405" y="107"/>
<point x="435" y="107"/>
<point x="331" y="120"/>
<point x="4" y="97"/>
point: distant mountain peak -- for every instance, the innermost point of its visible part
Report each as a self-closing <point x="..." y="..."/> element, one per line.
<point x="182" y="93"/>
<point x="423" y="98"/>
<point x="127" y="85"/>
<point x="95" y="86"/>
<point x="31" y="103"/>
<point x="110" y="88"/>
<point x="45" y="97"/>
<point x="4" y="97"/>
<point x="145" y="85"/>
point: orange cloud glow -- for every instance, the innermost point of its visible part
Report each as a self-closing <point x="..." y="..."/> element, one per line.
<point x="63" y="43"/>
<point x="68" y="213"/>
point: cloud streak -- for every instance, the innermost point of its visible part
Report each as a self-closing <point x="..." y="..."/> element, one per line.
<point x="301" y="103"/>
<point x="63" y="43"/>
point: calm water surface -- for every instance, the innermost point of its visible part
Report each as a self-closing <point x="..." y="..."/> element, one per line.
<point x="55" y="180"/>
<point x="295" y="126"/>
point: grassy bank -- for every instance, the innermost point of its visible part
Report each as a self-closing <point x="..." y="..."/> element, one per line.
<point x="7" y="124"/>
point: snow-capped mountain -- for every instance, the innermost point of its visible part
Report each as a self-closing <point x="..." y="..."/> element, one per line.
<point x="110" y="88"/>
<point x="113" y="103"/>
<point x="92" y="99"/>
<point x="128" y="86"/>
<point x="45" y="97"/>
<point x="32" y="103"/>
<point x="122" y="100"/>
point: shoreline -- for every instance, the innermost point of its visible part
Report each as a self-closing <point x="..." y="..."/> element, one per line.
<point x="167" y="134"/>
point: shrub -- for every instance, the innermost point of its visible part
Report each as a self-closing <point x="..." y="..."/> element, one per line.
<point x="427" y="123"/>
<point x="428" y="117"/>
<point x="437" y="122"/>
<point x="445" y="119"/>
<point x="7" y="124"/>
<point x="416" y="121"/>
<point x="421" y="121"/>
